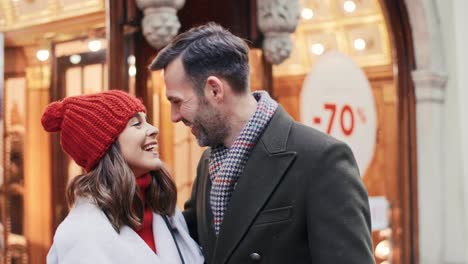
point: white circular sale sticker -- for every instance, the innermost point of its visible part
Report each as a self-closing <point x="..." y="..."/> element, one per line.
<point x="337" y="99"/>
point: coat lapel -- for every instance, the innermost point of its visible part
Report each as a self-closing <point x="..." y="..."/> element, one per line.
<point x="206" y="233"/>
<point x="265" y="168"/>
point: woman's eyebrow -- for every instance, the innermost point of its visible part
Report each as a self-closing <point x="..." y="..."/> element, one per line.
<point x="132" y="119"/>
<point x="138" y="115"/>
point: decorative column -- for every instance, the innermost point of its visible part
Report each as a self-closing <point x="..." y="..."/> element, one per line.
<point x="277" y="19"/>
<point x="430" y="97"/>
<point x="160" y="22"/>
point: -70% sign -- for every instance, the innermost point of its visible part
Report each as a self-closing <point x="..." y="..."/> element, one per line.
<point x="342" y="114"/>
<point x="342" y="107"/>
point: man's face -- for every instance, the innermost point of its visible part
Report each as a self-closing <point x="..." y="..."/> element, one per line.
<point x="206" y="122"/>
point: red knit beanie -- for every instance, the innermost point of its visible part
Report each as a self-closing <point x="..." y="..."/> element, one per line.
<point x="89" y="124"/>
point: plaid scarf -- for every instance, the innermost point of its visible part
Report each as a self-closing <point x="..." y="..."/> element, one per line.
<point x="226" y="164"/>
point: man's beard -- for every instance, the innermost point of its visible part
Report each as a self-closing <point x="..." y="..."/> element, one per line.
<point x="212" y="127"/>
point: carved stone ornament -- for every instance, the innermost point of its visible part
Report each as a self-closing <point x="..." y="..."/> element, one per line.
<point x="277" y="19"/>
<point x="160" y="22"/>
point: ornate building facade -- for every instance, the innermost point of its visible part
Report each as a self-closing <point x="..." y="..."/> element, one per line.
<point x="411" y="53"/>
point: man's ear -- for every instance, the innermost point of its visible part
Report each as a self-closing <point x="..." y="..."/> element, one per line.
<point x="215" y="89"/>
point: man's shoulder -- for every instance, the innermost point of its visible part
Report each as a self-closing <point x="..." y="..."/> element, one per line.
<point x="309" y="141"/>
<point x="287" y="134"/>
<point x="302" y="130"/>
<point x="284" y="120"/>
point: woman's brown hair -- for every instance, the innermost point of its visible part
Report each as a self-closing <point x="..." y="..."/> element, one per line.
<point x="112" y="185"/>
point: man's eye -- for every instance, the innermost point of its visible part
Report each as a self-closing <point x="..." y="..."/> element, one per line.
<point x="136" y="124"/>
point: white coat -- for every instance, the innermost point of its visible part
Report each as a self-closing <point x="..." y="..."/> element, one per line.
<point x="87" y="236"/>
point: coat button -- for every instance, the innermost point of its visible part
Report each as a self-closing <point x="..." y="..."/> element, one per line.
<point x="255" y="257"/>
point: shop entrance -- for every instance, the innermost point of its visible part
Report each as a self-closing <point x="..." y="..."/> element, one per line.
<point x="381" y="116"/>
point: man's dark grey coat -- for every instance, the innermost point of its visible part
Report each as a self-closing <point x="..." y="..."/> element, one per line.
<point x="299" y="200"/>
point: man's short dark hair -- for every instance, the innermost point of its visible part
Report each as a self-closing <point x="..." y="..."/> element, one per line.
<point x="208" y="50"/>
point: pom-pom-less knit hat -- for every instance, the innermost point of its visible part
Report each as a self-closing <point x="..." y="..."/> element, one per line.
<point x="89" y="124"/>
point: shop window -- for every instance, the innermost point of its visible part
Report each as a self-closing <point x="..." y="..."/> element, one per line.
<point x="12" y="186"/>
<point x="79" y="71"/>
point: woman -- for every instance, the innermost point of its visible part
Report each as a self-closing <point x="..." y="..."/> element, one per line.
<point x="124" y="206"/>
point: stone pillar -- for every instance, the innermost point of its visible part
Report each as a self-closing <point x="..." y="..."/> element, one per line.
<point x="277" y="19"/>
<point x="460" y="17"/>
<point x="160" y="22"/>
<point x="430" y="94"/>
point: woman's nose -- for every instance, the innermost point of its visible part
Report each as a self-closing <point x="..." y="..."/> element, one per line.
<point x="152" y="131"/>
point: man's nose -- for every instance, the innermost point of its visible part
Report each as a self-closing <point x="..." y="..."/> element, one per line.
<point x="175" y="116"/>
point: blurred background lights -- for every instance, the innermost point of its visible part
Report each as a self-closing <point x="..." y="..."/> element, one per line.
<point x="383" y="249"/>
<point x="307" y="13"/>
<point x="317" y="48"/>
<point x="132" y="70"/>
<point x="94" y="45"/>
<point x="75" y="59"/>
<point x="349" y="6"/>
<point x="359" y="44"/>
<point x="131" y="60"/>
<point x="42" y="55"/>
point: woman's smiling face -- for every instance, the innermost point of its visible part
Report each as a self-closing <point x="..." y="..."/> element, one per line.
<point x="139" y="146"/>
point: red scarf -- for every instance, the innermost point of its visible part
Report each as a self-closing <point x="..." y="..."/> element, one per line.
<point x="146" y="231"/>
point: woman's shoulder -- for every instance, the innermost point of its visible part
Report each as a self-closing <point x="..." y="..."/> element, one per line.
<point x="178" y="218"/>
<point x="84" y="221"/>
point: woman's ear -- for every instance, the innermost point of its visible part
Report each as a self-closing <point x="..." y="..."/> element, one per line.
<point x="215" y="89"/>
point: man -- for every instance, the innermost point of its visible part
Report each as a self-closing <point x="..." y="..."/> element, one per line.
<point x="268" y="189"/>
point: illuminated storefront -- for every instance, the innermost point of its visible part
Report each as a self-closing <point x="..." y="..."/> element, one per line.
<point x="400" y="117"/>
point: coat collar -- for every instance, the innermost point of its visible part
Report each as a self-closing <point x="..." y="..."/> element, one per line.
<point x="127" y="244"/>
<point x="267" y="164"/>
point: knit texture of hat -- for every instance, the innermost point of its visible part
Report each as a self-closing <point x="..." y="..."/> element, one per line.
<point x="89" y="124"/>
